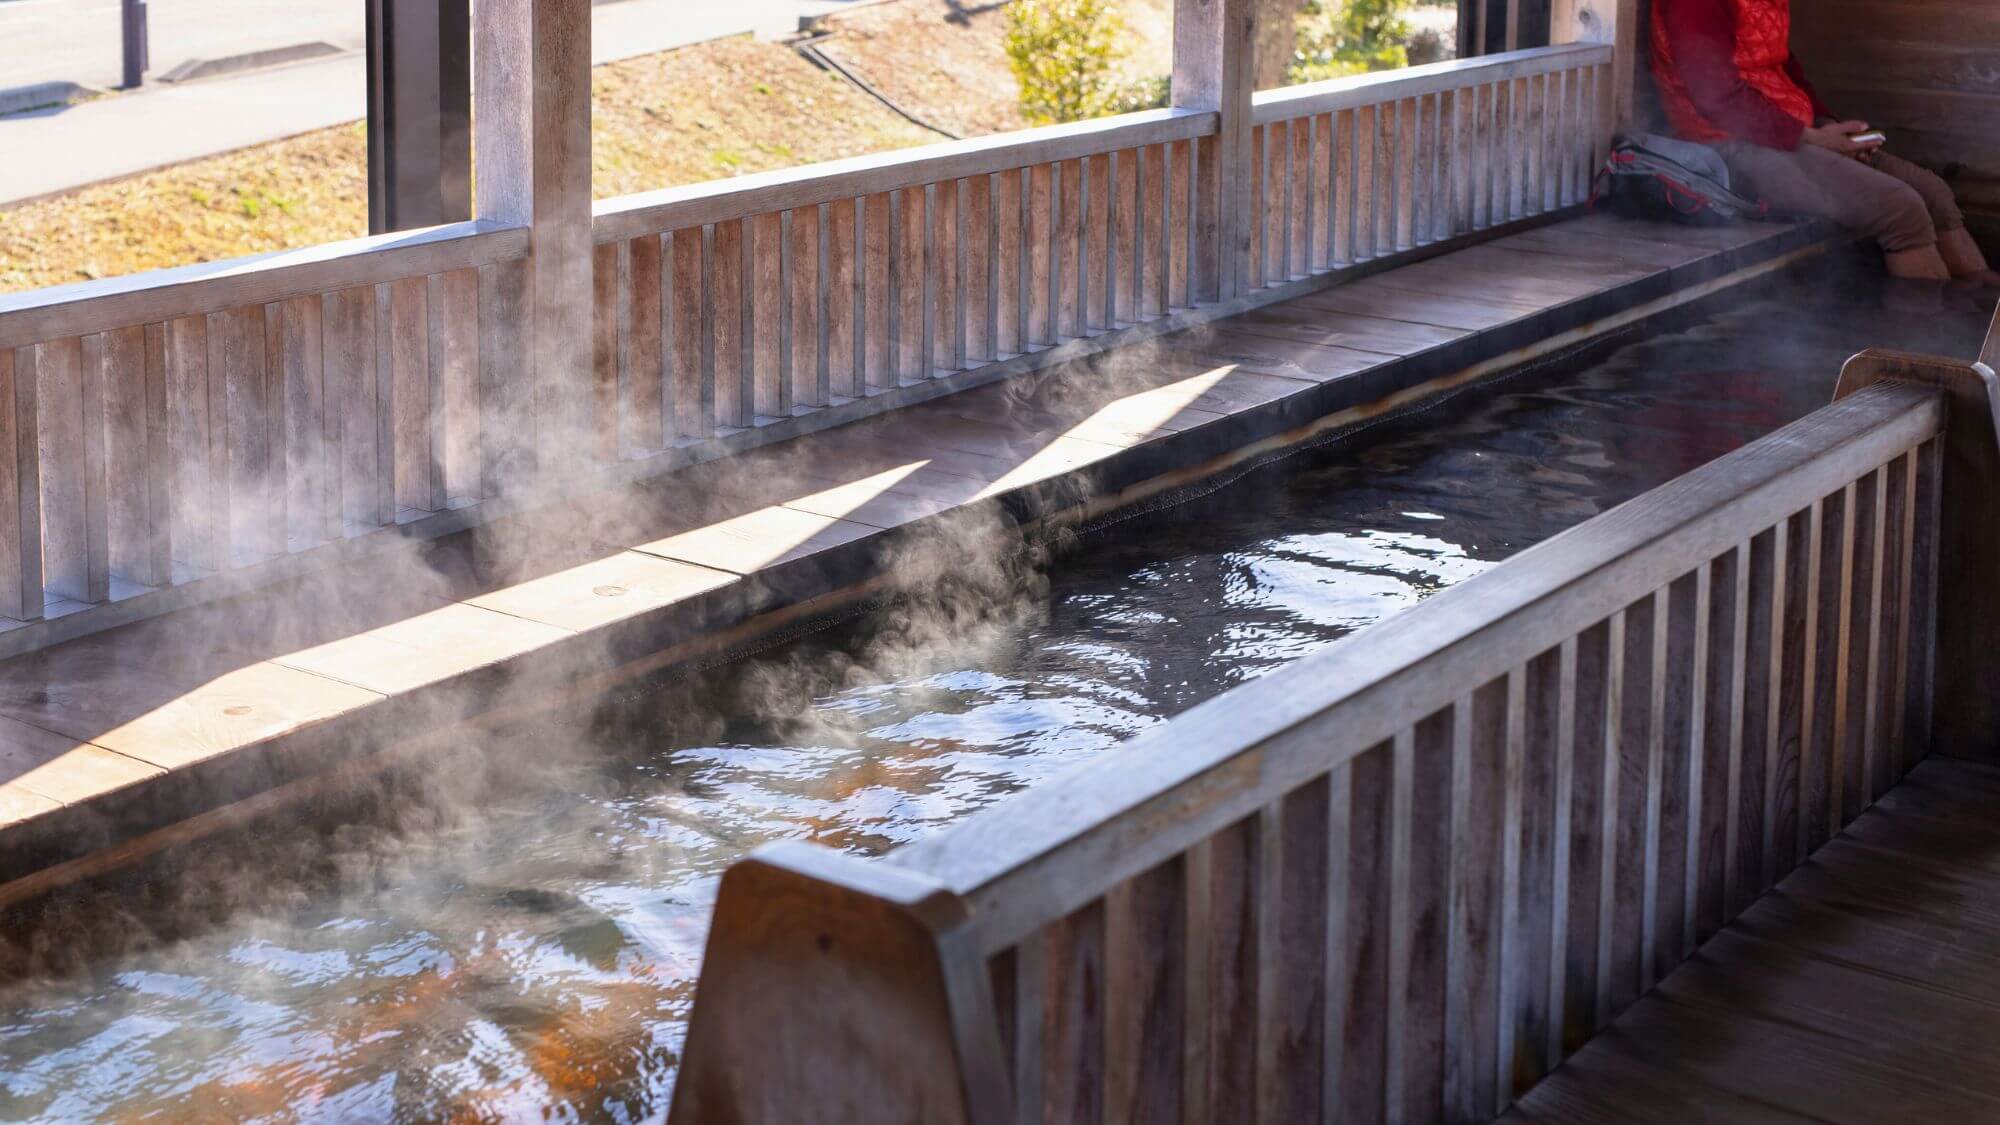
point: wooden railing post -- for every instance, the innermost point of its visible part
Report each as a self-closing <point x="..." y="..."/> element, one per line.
<point x="1212" y="70"/>
<point x="1616" y="24"/>
<point x="838" y="989"/>
<point x="533" y="167"/>
<point x="1964" y="673"/>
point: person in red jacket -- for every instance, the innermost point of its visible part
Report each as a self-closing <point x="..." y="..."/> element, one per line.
<point x="1727" y="78"/>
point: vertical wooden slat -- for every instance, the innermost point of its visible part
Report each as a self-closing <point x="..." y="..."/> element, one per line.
<point x="20" y="490"/>
<point x="1320" y="197"/>
<point x="1236" y="871"/>
<point x="1037" y="264"/>
<point x="770" y="391"/>
<point x="1128" y="239"/>
<point x="945" y="339"/>
<point x="1865" y="654"/>
<point x="1896" y="613"/>
<point x="1675" y="776"/>
<point x="406" y="347"/>
<point x="1067" y="288"/>
<point x="1145" y="999"/>
<point x="642" y="340"/>
<point x="1472" y="1056"/>
<point x="1182" y="224"/>
<point x="348" y="360"/>
<point x="301" y="368"/>
<point x="1791" y="688"/>
<point x="607" y="297"/>
<point x="1259" y="200"/>
<point x="1197" y="1076"/>
<point x="133" y="466"/>
<point x="507" y="414"/>
<point x="804" y="291"/>
<point x="1925" y="498"/>
<point x="236" y="432"/>
<point x="1154" y="252"/>
<point x="1626" y="912"/>
<point x="454" y="348"/>
<point x="1760" y="608"/>
<point x="1100" y="258"/>
<point x="879" y="236"/>
<point x="1346" y="146"/>
<point x="1406" y="173"/>
<point x="1419" y="917"/>
<point x="688" y="325"/>
<point x="69" y="478"/>
<point x="1819" y="759"/>
<point x="1580" y="834"/>
<point x="1073" y="1018"/>
<point x="1365" y="191"/>
<point x="1363" y="793"/>
<point x="1009" y="313"/>
<point x="1292" y="1041"/>
<point x="1030" y="1004"/>
<point x="844" y="307"/>
<point x="1715" y="797"/>
<point x="729" y="290"/>
<point x="981" y="264"/>
<point x="1535" y="758"/>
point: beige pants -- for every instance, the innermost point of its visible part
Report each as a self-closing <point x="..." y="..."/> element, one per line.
<point x="1892" y="200"/>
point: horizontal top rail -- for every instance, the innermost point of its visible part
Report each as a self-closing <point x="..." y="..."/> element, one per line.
<point x="1381" y="86"/>
<point x="143" y="298"/>
<point x="693" y="205"/>
<point x="1021" y="864"/>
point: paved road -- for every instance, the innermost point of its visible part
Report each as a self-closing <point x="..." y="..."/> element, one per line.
<point x="78" y="40"/>
<point x="51" y="150"/>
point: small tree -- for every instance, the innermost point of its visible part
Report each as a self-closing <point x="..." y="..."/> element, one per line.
<point x="1361" y="35"/>
<point x="1063" y="53"/>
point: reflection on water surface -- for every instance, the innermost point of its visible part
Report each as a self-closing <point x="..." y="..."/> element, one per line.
<point x="533" y="955"/>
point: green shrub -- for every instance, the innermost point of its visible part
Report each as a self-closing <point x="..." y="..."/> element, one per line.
<point x="1357" y="36"/>
<point x="1063" y="54"/>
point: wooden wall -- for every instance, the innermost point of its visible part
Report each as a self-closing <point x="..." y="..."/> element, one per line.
<point x="1928" y="71"/>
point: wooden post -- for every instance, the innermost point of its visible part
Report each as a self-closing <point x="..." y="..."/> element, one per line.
<point x="1615" y="22"/>
<point x="1964" y="674"/>
<point x="419" y="106"/>
<point x="533" y="139"/>
<point x="840" y="989"/>
<point x="1212" y="70"/>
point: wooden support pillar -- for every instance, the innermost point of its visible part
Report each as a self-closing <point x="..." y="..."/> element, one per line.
<point x="1614" y="22"/>
<point x="1963" y="547"/>
<point x="1213" y="70"/>
<point x="1487" y="27"/>
<point x="533" y="139"/>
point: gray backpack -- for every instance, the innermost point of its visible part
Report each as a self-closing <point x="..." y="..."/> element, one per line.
<point x="1655" y="177"/>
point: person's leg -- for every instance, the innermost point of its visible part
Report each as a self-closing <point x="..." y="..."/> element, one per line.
<point x="1961" y="254"/>
<point x="1813" y="181"/>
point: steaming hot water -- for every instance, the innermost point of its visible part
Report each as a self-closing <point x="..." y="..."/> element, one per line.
<point x="532" y="950"/>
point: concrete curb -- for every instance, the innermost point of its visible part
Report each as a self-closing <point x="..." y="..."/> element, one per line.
<point x="194" y="69"/>
<point x="42" y="95"/>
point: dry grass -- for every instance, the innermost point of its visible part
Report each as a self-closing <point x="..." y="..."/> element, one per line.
<point x="703" y="112"/>
<point x="943" y="60"/>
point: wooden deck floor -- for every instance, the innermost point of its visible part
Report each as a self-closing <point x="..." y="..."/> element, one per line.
<point x="110" y="736"/>
<point x="1864" y="988"/>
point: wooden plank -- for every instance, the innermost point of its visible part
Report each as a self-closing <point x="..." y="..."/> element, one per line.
<point x="1073" y="1019"/>
<point x="1182" y="226"/>
<point x="1717" y="791"/>
<point x="453" y="299"/>
<point x="1291" y="1038"/>
<point x="1625" y="915"/>
<point x="1145" y="995"/>
<point x="1236" y="878"/>
<point x="74" y="554"/>
<point x="1364" y="854"/>
<point x="642" y="325"/>
<point x="136" y="467"/>
<point x="1472" y="989"/>
<point x="607" y="300"/>
<point x="1538" y="756"/>
<point x="909" y="215"/>
<point x="1009" y="258"/>
<point x="1420" y="918"/>
<point x="349" y="359"/>
<point x="980" y="293"/>
<point x="845" y="311"/>
<point x="311" y="461"/>
<point x="771" y="389"/>
<point x="1037" y="261"/>
<point x="20" y="490"/>
<point x="1819" y="765"/>
<point x="729" y="315"/>
<point x="507" y="414"/>
<point x="1582" y="842"/>
<point x="692" y="343"/>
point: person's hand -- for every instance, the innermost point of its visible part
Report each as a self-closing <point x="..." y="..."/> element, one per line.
<point x="1838" y="136"/>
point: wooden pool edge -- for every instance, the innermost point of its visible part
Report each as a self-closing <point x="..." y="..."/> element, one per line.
<point x="81" y="841"/>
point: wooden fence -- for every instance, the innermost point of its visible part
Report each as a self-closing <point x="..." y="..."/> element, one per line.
<point x="1399" y="879"/>
<point x="166" y="427"/>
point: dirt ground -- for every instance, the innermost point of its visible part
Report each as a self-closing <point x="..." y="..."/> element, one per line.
<point x="943" y="60"/>
<point x="699" y="113"/>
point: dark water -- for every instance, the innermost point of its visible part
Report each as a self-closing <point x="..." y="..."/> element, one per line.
<point x="524" y="946"/>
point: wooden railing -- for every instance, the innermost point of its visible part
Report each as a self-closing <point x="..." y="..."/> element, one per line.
<point x="1400" y="878"/>
<point x="1358" y="168"/>
<point x="168" y="427"/>
<point x="721" y="305"/>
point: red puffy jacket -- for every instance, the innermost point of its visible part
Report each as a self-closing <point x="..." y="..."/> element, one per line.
<point x="1725" y="71"/>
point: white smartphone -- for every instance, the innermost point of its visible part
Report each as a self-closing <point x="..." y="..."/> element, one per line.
<point x="1871" y="137"/>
